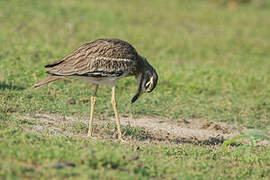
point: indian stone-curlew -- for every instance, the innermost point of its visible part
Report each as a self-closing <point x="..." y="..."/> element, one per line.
<point x="104" y="61"/>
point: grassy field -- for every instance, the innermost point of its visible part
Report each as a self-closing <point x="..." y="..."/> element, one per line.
<point x="213" y="63"/>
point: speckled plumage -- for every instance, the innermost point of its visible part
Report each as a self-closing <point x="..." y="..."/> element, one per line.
<point x="104" y="61"/>
<point x="99" y="59"/>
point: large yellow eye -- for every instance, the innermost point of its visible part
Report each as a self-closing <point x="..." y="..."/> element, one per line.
<point x="148" y="85"/>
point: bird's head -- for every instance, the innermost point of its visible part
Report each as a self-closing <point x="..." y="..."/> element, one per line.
<point x="146" y="80"/>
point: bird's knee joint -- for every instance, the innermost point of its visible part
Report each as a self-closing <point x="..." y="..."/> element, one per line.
<point x="93" y="99"/>
<point x="113" y="102"/>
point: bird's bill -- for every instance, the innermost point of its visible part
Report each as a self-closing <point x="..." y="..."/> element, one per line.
<point x="137" y="95"/>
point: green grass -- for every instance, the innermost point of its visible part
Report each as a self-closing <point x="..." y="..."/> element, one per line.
<point x="31" y="155"/>
<point x="213" y="63"/>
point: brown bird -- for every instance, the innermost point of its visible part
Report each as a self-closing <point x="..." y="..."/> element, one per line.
<point x="104" y="61"/>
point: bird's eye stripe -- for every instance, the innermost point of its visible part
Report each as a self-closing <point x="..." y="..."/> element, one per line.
<point x="148" y="84"/>
<point x="151" y="80"/>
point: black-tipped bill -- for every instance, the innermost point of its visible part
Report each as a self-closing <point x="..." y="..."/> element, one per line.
<point x="137" y="95"/>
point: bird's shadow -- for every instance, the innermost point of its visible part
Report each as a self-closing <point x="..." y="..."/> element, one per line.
<point x="146" y="135"/>
<point x="4" y="86"/>
<point x="212" y="141"/>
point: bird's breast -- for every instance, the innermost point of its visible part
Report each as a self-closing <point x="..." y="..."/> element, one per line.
<point x="110" y="81"/>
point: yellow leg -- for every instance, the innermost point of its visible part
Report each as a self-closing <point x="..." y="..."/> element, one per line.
<point x="93" y="100"/>
<point x="116" y="115"/>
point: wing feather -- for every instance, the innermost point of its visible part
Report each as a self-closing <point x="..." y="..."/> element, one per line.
<point x="95" y="67"/>
<point x="100" y="58"/>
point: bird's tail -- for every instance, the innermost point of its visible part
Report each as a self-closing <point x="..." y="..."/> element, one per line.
<point x="48" y="80"/>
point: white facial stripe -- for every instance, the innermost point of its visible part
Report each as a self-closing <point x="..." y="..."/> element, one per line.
<point x="149" y="83"/>
<point x="152" y="80"/>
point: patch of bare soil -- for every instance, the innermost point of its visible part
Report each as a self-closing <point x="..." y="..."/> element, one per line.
<point x="196" y="131"/>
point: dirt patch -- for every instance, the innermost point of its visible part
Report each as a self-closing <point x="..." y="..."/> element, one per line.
<point x="156" y="130"/>
<point x="193" y="129"/>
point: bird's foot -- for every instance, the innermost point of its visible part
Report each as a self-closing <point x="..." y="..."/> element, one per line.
<point x="93" y="138"/>
<point x="89" y="134"/>
<point x="121" y="140"/>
